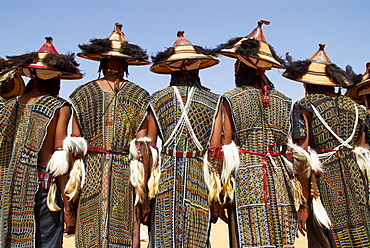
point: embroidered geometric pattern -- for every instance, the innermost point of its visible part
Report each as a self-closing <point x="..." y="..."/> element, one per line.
<point x="181" y="211"/>
<point x="343" y="189"/>
<point x="109" y="121"/>
<point x="263" y="196"/>
<point x="20" y="176"/>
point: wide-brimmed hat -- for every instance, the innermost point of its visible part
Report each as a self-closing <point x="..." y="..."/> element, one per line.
<point x="46" y="63"/>
<point x="317" y="70"/>
<point x="13" y="86"/>
<point x="183" y="55"/>
<point x="253" y="50"/>
<point x="115" y="46"/>
<point x="361" y="87"/>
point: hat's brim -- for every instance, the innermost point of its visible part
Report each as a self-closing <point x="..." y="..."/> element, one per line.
<point x="46" y="72"/>
<point x="164" y="68"/>
<point x="354" y="92"/>
<point x="15" y="88"/>
<point x="97" y="57"/>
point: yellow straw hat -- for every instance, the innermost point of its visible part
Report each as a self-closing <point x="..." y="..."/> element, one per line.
<point x="360" y="90"/>
<point x="183" y="55"/>
<point x="317" y="70"/>
<point x="253" y="50"/>
<point x="46" y="63"/>
<point x="13" y="86"/>
<point x="115" y="46"/>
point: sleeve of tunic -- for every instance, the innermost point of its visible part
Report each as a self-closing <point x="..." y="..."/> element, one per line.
<point x="297" y="121"/>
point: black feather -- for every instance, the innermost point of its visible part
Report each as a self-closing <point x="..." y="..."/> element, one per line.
<point x="276" y="57"/>
<point x="65" y="63"/>
<point x="97" y="46"/>
<point x="249" y="47"/>
<point x="288" y="58"/>
<point x="22" y="60"/>
<point x="336" y="74"/>
<point x="134" y="51"/>
<point x="295" y="70"/>
<point x="352" y="76"/>
<point x="229" y="44"/>
<point x="162" y="56"/>
<point x="205" y="51"/>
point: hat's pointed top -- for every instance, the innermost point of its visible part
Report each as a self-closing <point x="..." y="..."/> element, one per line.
<point x="257" y="32"/>
<point x="181" y="40"/>
<point x="320" y="55"/>
<point x="117" y="34"/>
<point x="48" y="46"/>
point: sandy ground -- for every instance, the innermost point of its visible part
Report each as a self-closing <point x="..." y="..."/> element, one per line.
<point x="219" y="238"/>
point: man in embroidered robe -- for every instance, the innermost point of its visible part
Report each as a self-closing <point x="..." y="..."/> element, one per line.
<point x="185" y="110"/>
<point x="32" y="129"/>
<point x="336" y="184"/>
<point x="109" y="113"/>
<point x="257" y="183"/>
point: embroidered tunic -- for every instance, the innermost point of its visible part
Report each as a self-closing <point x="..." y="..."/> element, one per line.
<point x="108" y="120"/>
<point x="343" y="189"/>
<point x="264" y="209"/>
<point x="181" y="214"/>
<point x="23" y="129"/>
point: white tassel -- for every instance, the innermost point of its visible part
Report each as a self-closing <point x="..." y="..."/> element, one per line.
<point x="59" y="163"/>
<point x="77" y="146"/>
<point x="50" y="201"/>
<point x="288" y="165"/>
<point x="300" y="156"/>
<point x="314" y="162"/>
<point x="155" y="174"/>
<point x="320" y="213"/>
<point x="230" y="169"/>
<point x="212" y="180"/>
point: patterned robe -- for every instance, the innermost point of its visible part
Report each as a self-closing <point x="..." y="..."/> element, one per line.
<point x="110" y="121"/>
<point x="343" y="189"/>
<point x="23" y="128"/>
<point x="264" y="213"/>
<point x="181" y="214"/>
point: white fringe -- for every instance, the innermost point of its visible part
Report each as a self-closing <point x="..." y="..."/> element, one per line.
<point x="137" y="175"/>
<point x="155" y="174"/>
<point x="75" y="145"/>
<point x="59" y="163"/>
<point x="50" y="201"/>
<point x="212" y="180"/>
<point x="230" y="169"/>
<point x="288" y="165"/>
<point x="320" y="213"/>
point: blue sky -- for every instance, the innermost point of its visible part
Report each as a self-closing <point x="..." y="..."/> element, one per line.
<point x="296" y="27"/>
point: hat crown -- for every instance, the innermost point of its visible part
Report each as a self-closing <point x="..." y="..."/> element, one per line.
<point x="48" y="46"/>
<point x="181" y="41"/>
<point x="320" y="56"/>
<point x="117" y="34"/>
<point x="257" y="32"/>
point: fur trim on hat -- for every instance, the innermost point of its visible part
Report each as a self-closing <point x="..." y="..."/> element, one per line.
<point x="295" y="70"/>
<point x="97" y="46"/>
<point x="229" y="44"/>
<point x="276" y="57"/>
<point x="162" y="56"/>
<point x="352" y="76"/>
<point x="336" y="74"/>
<point x="134" y="51"/>
<point x="22" y="60"/>
<point x="249" y="47"/>
<point x="205" y="51"/>
<point x="65" y="63"/>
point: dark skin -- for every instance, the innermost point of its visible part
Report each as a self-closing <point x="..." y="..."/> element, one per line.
<point x="113" y="79"/>
<point x="57" y="131"/>
<point x="304" y="210"/>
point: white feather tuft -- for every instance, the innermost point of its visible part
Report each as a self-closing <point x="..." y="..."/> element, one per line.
<point x="320" y="213"/>
<point x="59" y="163"/>
<point x="230" y="169"/>
<point x="50" y="201"/>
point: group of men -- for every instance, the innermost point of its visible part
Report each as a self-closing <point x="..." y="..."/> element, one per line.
<point x="235" y="156"/>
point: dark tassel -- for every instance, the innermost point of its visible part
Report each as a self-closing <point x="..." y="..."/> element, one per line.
<point x="65" y="63"/>
<point x="276" y="57"/>
<point x="205" y="51"/>
<point x="352" y="76"/>
<point x="162" y="56"/>
<point x="134" y="51"/>
<point x="229" y="44"/>
<point x="295" y="70"/>
<point x="336" y="74"/>
<point x="249" y="47"/>
<point x="97" y="46"/>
